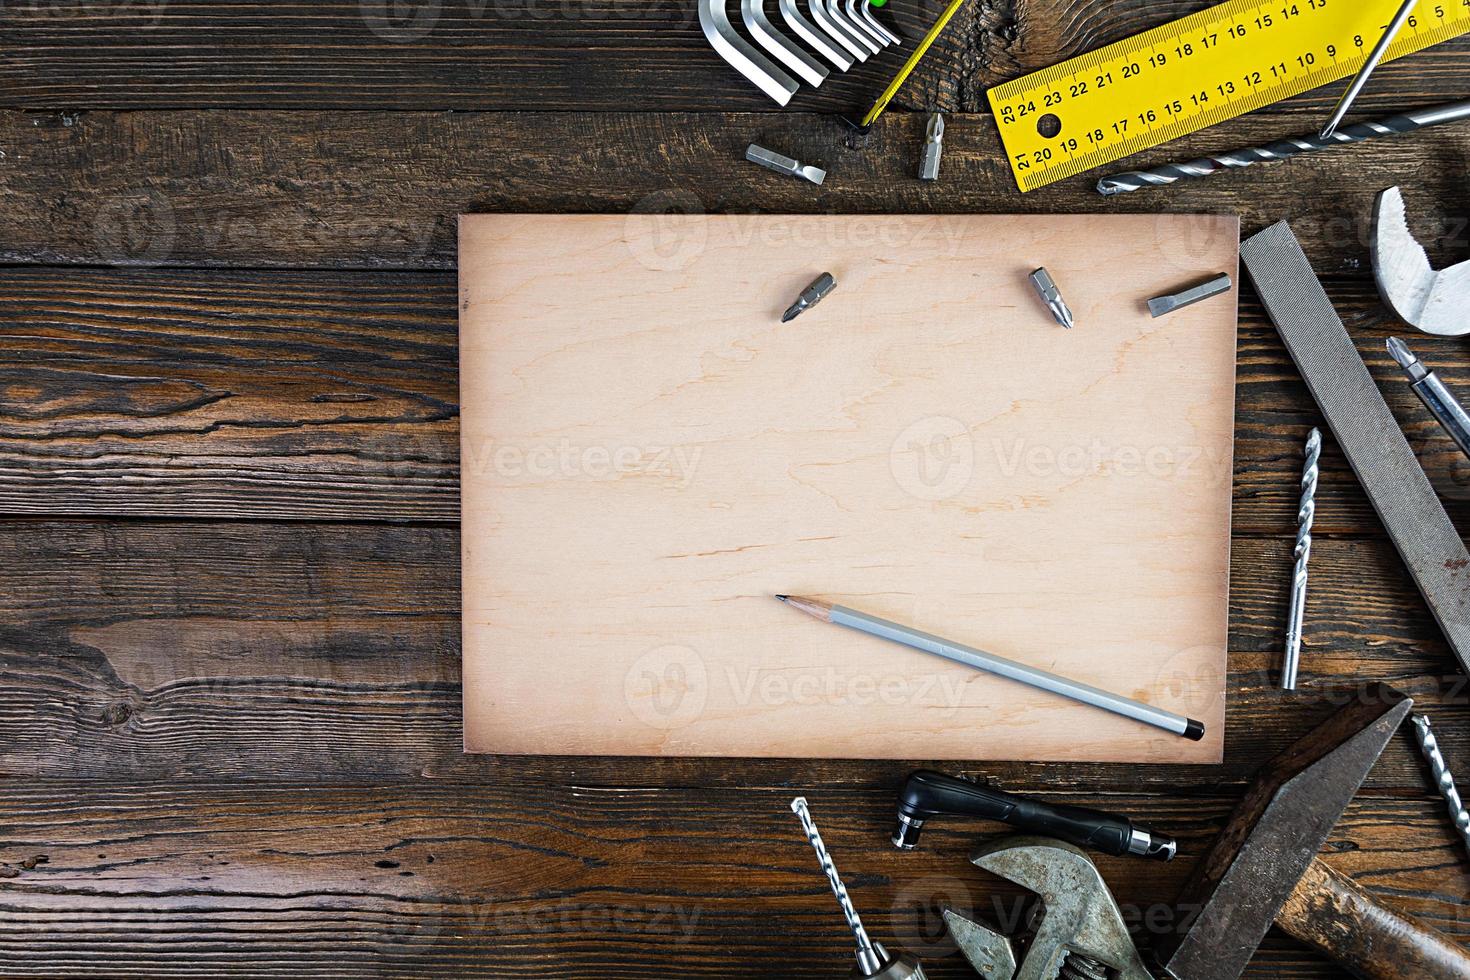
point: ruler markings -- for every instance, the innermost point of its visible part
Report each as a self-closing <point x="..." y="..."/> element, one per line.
<point x="1198" y="71"/>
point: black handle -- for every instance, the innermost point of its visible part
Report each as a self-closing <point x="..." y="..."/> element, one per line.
<point x="926" y="794"/>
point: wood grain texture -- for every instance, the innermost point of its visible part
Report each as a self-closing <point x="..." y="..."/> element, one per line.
<point x="321" y="395"/>
<point x="382" y="190"/>
<point x="342" y="663"/>
<point x="648" y="455"/>
<point x="544" y="54"/>
<point x="567" y="881"/>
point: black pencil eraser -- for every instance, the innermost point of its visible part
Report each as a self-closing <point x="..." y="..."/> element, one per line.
<point x="1195" y="730"/>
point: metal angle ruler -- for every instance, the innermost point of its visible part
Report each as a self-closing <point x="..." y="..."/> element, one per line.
<point x="1192" y="73"/>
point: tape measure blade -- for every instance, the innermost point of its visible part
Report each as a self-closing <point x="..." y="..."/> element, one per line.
<point x="1184" y="76"/>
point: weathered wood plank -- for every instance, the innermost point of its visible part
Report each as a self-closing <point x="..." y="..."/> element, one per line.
<point x="332" y="396"/>
<point x="547" y="54"/>
<point x="526" y="879"/>
<point x="332" y="653"/>
<point x="382" y="189"/>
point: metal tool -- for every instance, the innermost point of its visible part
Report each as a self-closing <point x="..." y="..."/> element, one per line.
<point x="1081" y="934"/>
<point x="865" y="11"/>
<point x="1367" y="431"/>
<point x="809" y="32"/>
<point x="860" y="22"/>
<point x="1047" y="289"/>
<point x="1136" y="180"/>
<point x="1163" y="305"/>
<point x="933" y="147"/>
<point x="1432" y="392"/>
<point x="873" y="961"/>
<point x="787" y="52"/>
<point x="853" y="31"/>
<point x="1263" y="866"/>
<point x="741" y="55"/>
<point x="928" y="794"/>
<point x="908" y="66"/>
<point x="1361" y="78"/>
<point x="772" y="160"/>
<point x="981" y="660"/>
<point x="1434" y="301"/>
<point x="810" y="296"/>
<point x="837" y="32"/>
<point x="1306" y="511"/>
<point x="1444" y="782"/>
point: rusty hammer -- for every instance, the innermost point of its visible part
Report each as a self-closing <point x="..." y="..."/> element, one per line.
<point x="1264" y="868"/>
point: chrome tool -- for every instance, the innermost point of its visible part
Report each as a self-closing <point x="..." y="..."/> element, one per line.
<point x="810" y="296"/>
<point x="809" y="32"/>
<point x="865" y="11"/>
<point x="1135" y="180"/>
<point x="1361" y="78"/>
<point x="927" y="794"/>
<point x="1366" y="430"/>
<point x="807" y="68"/>
<point x="836" y="18"/>
<point x="873" y="961"/>
<point x="772" y="160"/>
<point x="1433" y="393"/>
<point x="978" y="659"/>
<point x="1306" y="512"/>
<point x="1444" y="781"/>
<point x="741" y="55"/>
<point x="837" y="32"/>
<point x="1081" y="934"/>
<point x="1047" y="289"/>
<point x="1434" y="301"/>
<point x="1162" y="305"/>
<point x="933" y="147"/>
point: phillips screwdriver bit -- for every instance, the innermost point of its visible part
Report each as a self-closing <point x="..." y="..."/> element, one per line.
<point x="933" y="147"/>
<point x="810" y="296"/>
<point x="1047" y="289"/>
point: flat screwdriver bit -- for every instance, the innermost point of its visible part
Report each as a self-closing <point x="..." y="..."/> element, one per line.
<point x="772" y="160"/>
<point x="810" y="296"/>
<point x="1161" y="305"/>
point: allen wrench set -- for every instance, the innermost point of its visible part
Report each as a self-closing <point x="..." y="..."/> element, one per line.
<point x="842" y="31"/>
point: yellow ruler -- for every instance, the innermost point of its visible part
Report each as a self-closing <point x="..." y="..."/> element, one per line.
<point x="1215" y="65"/>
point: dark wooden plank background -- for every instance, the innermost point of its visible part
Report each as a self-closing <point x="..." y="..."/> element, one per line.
<point x="229" y="724"/>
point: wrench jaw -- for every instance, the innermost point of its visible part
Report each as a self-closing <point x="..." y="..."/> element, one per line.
<point x="1435" y="302"/>
<point x="809" y="69"/>
<point x="1081" y="927"/>
<point x="741" y="56"/>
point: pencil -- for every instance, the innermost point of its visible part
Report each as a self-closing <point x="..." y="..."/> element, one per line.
<point x="829" y="612"/>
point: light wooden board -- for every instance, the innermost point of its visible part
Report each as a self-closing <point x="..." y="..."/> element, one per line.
<point x="648" y="455"/>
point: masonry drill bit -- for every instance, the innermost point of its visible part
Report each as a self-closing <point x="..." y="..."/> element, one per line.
<point x="810" y="296"/>
<point x="933" y="147"/>
<point x="1282" y="149"/>
<point x="1305" y="513"/>
<point x="772" y="160"/>
<point x="1443" y="780"/>
<point x="872" y="959"/>
<point x="1047" y="289"/>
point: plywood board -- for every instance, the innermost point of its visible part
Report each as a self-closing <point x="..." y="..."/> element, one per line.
<point x="649" y="455"/>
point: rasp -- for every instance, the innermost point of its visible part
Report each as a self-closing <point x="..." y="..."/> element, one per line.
<point x="1370" y="437"/>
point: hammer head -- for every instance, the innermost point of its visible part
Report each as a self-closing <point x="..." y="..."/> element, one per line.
<point x="1274" y="834"/>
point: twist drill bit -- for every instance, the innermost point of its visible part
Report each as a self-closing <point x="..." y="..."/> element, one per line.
<point x="810" y="296"/>
<point x="1282" y="149"/>
<point x="1443" y="780"/>
<point x="872" y="959"/>
<point x="933" y="147"/>
<point x="1305" y="514"/>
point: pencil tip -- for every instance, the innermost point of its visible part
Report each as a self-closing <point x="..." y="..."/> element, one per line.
<point x="783" y="598"/>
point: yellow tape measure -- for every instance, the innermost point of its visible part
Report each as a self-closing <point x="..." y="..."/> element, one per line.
<point x="1196" y="72"/>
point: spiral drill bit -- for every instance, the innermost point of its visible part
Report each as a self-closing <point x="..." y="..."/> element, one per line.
<point x="1283" y="149"/>
<point x="1443" y="780"/>
<point x="873" y="960"/>
<point x="1304" y="515"/>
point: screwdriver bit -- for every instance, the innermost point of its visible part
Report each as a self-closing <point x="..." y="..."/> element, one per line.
<point x="1047" y="289"/>
<point x="933" y="146"/>
<point x="772" y="160"/>
<point x="810" y="296"/>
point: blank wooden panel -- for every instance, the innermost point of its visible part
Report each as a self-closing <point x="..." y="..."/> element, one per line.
<point x="649" y="455"/>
